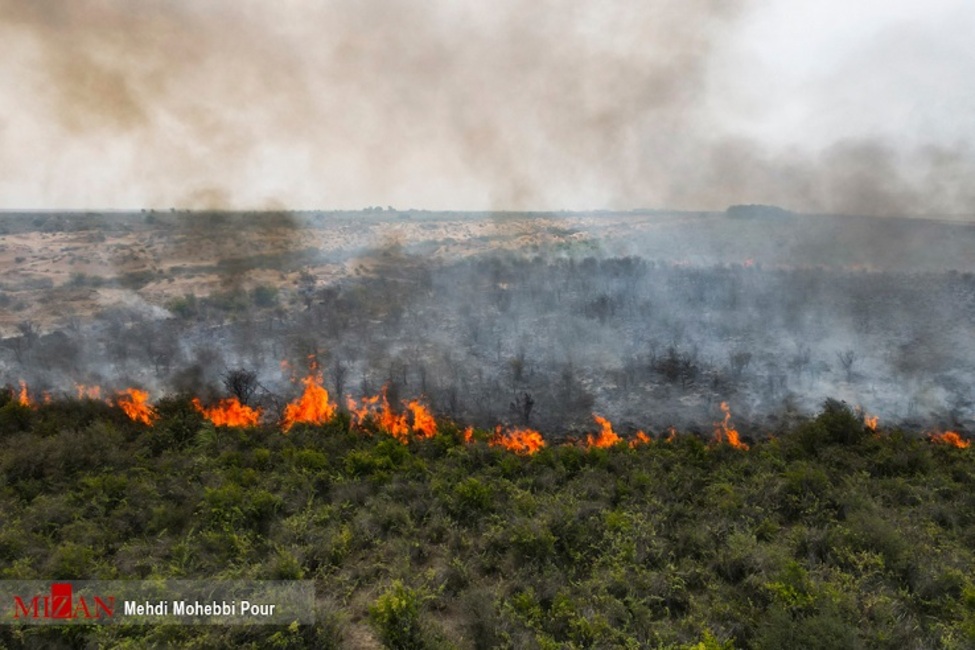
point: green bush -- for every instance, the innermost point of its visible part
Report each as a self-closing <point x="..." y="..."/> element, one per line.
<point x="396" y="616"/>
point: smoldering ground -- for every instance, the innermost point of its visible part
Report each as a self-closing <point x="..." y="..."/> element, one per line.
<point x="518" y="106"/>
<point x="546" y="336"/>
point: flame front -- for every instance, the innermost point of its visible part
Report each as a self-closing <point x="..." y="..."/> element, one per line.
<point x="640" y="439"/>
<point x="89" y="392"/>
<point x="725" y="432"/>
<point x="950" y="438"/>
<point x="312" y="407"/>
<point x="135" y="404"/>
<point x="395" y="424"/>
<point x="871" y="422"/>
<point x="423" y="423"/>
<point x="606" y="438"/>
<point x="229" y="412"/>
<point x="521" y="441"/>
<point x="23" y="397"/>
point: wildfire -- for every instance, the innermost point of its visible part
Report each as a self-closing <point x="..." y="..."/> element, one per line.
<point x="360" y="413"/>
<point x="521" y="441"/>
<point x="312" y="407"/>
<point x="423" y="423"/>
<point x="468" y="435"/>
<point x="950" y="438"/>
<point x="89" y="392"/>
<point x="229" y="412"/>
<point x="135" y="404"/>
<point x="606" y="438"/>
<point x="23" y="397"/>
<point x="725" y="432"/>
<point x="640" y="439"/>
<point x="871" y="422"/>
<point x="395" y="424"/>
<point x="671" y="434"/>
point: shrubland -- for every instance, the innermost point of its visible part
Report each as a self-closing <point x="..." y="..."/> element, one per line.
<point x="825" y="535"/>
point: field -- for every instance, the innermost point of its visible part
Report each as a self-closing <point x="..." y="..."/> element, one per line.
<point x="745" y="429"/>
<point x="832" y="535"/>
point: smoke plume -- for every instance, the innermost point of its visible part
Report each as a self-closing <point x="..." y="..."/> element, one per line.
<point x="541" y="105"/>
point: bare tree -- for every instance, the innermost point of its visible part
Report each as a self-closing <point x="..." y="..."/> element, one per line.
<point x="847" y="360"/>
<point x="522" y="407"/>
<point x="241" y="383"/>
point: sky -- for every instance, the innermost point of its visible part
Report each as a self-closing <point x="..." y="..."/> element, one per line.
<point x="862" y="107"/>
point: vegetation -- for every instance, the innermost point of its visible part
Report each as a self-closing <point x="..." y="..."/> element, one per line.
<point x="825" y="536"/>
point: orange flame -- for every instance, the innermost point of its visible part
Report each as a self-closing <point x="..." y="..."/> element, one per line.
<point x="229" y="413"/>
<point x="395" y="424"/>
<point x="360" y="413"/>
<point x="950" y="438"/>
<point x="89" y="392"/>
<point x="671" y="434"/>
<point x="423" y="423"/>
<point x="468" y="435"/>
<point x="640" y="439"/>
<point x="871" y="422"/>
<point x="312" y="407"/>
<point x="724" y="432"/>
<point x="521" y="441"/>
<point x="23" y="398"/>
<point x="607" y="437"/>
<point x="135" y="404"/>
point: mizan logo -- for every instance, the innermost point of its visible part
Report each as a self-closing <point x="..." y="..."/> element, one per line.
<point x="61" y="604"/>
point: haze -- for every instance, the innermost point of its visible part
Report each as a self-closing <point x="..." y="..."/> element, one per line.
<point x="817" y="106"/>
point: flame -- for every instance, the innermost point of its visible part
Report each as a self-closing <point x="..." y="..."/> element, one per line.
<point x="312" y="407"/>
<point x="671" y="434"/>
<point x="724" y="432"/>
<point x="23" y="398"/>
<point x="395" y="424"/>
<point x="871" y="422"/>
<point x="950" y="438"/>
<point x="229" y="413"/>
<point x="360" y="413"/>
<point x="468" y="435"/>
<point x="640" y="439"/>
<point x="524" y="442"/>
<point x="423" y="423"/>
<point x="607" y="437"/>
<point x="89" y="392"/>
<point x="134" y="402"/>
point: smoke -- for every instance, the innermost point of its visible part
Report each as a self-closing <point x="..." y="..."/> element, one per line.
<point x="541" y="105"/>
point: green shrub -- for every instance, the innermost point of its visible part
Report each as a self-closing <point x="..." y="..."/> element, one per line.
<point x="14" y="417"/>
<point x="396" y="616"/>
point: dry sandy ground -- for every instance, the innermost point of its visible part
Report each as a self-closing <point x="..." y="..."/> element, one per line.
<point x="62" y="267"/>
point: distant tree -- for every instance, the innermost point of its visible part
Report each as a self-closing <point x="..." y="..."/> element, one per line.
<point x="847" y="359"/>
<point x="23" y="344"/>
<point x="740" y="360"/>
<point x="522" y="407"/>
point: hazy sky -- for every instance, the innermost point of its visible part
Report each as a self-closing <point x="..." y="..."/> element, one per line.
<point x="822" y="105"/>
